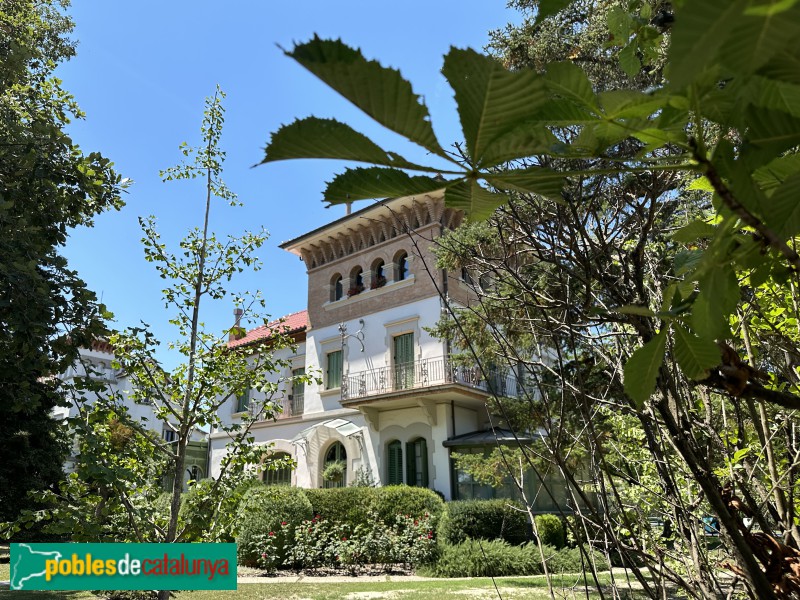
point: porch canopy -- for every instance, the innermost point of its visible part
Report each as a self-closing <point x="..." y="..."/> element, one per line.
<point x="314" y="437"/>
<point x="490" y="437"/>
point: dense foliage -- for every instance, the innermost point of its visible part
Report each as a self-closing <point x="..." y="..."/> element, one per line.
<point x="262" y="512"/>
<point x="47" y="185"/>
<point x="486" y="520"/>
<point x="638" y="185"/>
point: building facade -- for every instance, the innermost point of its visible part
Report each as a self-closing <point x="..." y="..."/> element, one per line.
<point x="390" y="405"/>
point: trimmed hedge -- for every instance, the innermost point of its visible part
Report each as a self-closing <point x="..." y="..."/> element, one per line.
<point x="346" y="506"/>
<point x="393" y="500"/>
<point x="485" y="519"/>
<point x="484" y="558"/>
<point x="551" y="531"/>
<point x="352" y="505"/>
<point x="262" y="511"/>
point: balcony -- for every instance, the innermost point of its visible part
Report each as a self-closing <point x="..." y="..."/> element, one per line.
<point x="291" y="405"/>
<point x="428" y="373"/>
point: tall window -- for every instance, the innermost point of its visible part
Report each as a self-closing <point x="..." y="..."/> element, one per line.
<point x="298" y="392"/>
<point x="378" y="275"/>
<point x="279" y="476"/>
<point x="401" y="266"/>
<point x="394" y="463"/>
<point x="417" y="463"/>
<point x="337" y="291"/>
<point x="403" y="351"/>
<point x="336" y="455"/>
<point x="333" y="371"/>
<point x="243" y="401"/>
<point x="356" y="282"/>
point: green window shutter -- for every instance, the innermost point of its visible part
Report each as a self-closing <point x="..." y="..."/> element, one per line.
<point x="422" y="449"/>
<point x="411" y="467"/>
<point x="334" y="372"/>
<point x="404" y="361"/>
<point x="395" y="460"/>
<point x="417" y="463"/>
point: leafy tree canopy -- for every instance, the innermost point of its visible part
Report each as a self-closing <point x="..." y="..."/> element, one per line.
<point x="47" y="185"/>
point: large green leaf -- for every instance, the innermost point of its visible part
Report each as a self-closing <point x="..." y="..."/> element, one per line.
<point x="693" y="231"/>
<point x="327" y="138"/>
<point x="570" y="81"/>
<point x="718" y="297"/>
<point x="535" y="180"/>
<point x="377" y="182"/>
<point x="771" y="175"/>
<point x="784" y="66"/>
<point x="772" y="130"/>
<point x="777" y="95"/>
<point x="476" y="201"/>
<point x="491" y="99"/>
<point x="699" y="32"/>
<point x="782" y="209"/>
<point x="380" y="92"/>
<point x="641" y="370"/>
<point x="754" y="39"/>
<point x="529" y="139"/>
<point x="694" y="354"/>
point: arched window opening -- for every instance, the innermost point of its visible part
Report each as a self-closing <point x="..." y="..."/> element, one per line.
<point x="277" y="475"/>
<point x="378" y="275"/>
<point x="337" y="292"/>
<point x="417" y="463"/>
<point x="334" y="469"/>
<point x="394" y="463"/>
<point x="401" y="266"/>
<point x="356" y="282"/>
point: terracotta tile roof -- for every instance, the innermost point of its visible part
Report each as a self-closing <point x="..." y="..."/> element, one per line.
<point x="292" y="323"/>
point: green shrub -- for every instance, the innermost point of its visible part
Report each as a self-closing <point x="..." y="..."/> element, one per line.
<point x="551" y="531"/>
<point x="393" y="500"/>
<point x="484" y="558"/>
<point x="347" y="506"/>
<point x="569" y="560"/>
<point x="264" y="510"/>
<point x="195" y="514"/>
<point x="486" y="520"/>
<point x="496" y="558"/>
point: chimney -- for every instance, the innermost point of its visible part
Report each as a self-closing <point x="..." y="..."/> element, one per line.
<point x="348" y="208"/>
<point x="236" y="332"/>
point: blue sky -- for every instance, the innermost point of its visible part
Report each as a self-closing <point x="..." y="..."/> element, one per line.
<point x="141" y="74"/>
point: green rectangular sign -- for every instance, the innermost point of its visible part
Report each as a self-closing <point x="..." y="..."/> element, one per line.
<point x="123" y="566"/>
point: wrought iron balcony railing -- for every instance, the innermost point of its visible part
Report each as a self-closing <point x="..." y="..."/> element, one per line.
<point x="425" y="373"/>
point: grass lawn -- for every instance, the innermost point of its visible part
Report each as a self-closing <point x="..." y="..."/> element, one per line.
<point x="481" y="588"/>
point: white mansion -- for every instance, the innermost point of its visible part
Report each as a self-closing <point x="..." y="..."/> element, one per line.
<point x="391" y="405"/>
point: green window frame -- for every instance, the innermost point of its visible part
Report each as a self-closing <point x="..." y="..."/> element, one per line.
<point x="417" y="463"/>
<point x="394" y="463"/>
<point x="333" y="371"/>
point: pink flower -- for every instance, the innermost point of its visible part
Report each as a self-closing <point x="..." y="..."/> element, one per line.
<point x="344" y="539"/>
<point x="271" y="533"/>
<point x="283" y="522"/>
<point x="264" y="555"/>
